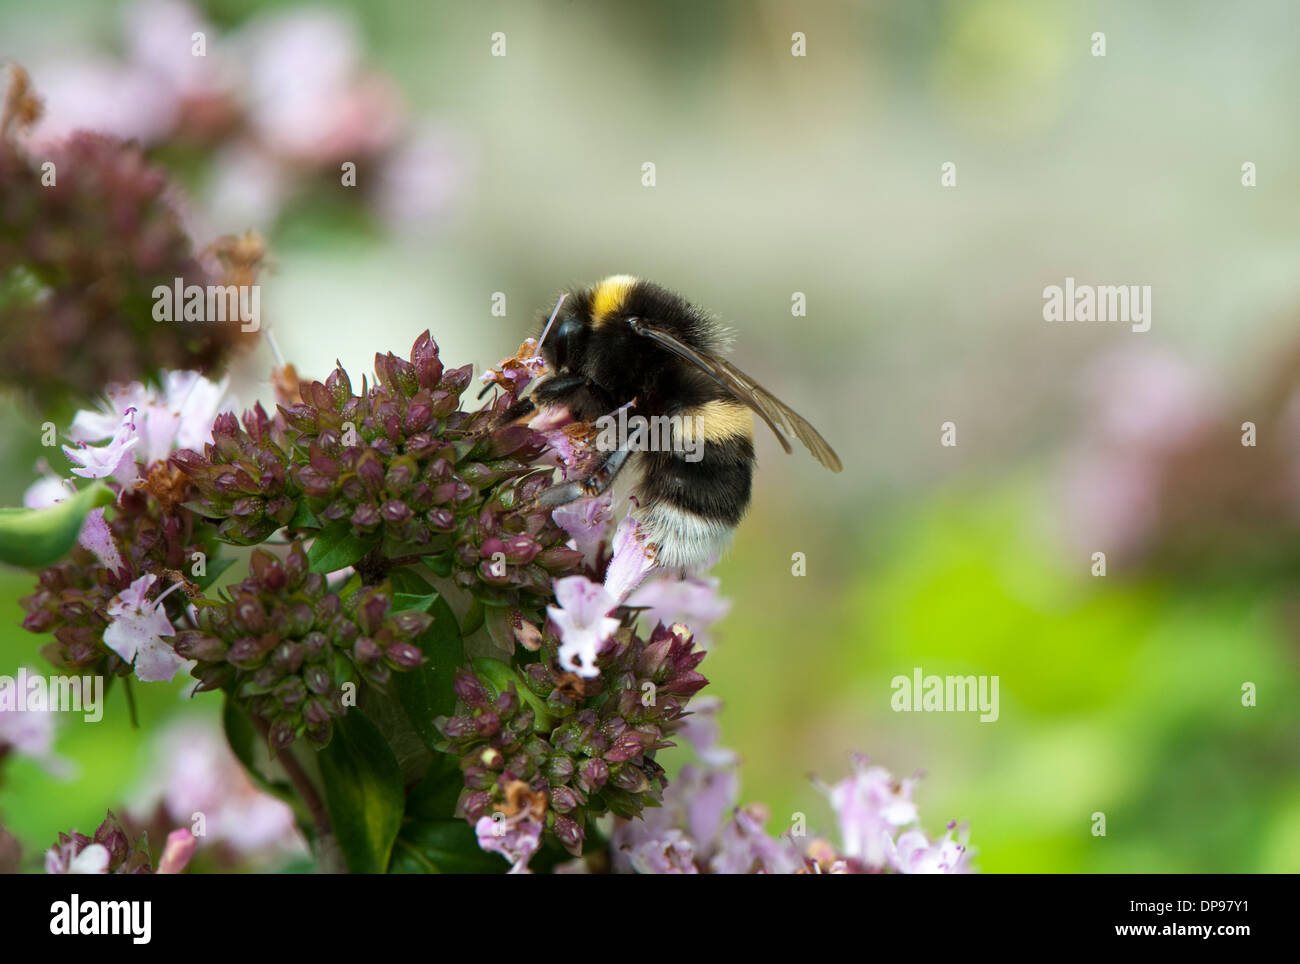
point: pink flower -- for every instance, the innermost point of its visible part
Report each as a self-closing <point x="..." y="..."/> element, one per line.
<point x="870" y="804"/>
<point x="28" y="731"/>
<point x="914" y="853"/>
<point x="632" y="561"/>
<point x="587" y="521"/>
<point x="515" y="838"/>
<point x="94" y="535"/>
<point x="177" y="852"/>
<point x="308" y="99"/>
<point x="583" y="620"/>
<point x="700" y="729"/>
<point x="136" y="630"/>
<point x="145" y="425"/>
<point x="193" y="771"/>
<point x="48" y="490"/>
<point x="93" y="859"/>
<point x="113" y="459"/>
<point x="693" y="601"/>
<point x="744" y="846"/>
<point x="673" y="853"/>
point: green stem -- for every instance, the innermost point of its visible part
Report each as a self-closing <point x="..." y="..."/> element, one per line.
<point x="130" y="702"/>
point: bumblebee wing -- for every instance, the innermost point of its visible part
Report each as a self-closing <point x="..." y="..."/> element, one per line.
<point x="771" y="409"/>
<point x="774" y="410"/>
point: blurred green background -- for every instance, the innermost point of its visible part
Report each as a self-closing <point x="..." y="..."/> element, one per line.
<point x="821" y="174"/>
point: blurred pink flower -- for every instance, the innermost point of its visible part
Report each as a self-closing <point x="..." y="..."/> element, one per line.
<point x="30" y="732"/>
<point x="308" y="100"/>
<point x="693" y="601"/>
<point x="420" y="180"/>
<point x="515" y="838"/>
<point x="177" y="852"/>
<point x="1141" y="404"/>
<point x="67" y="859"/>
<point x="915" y="853"/>
<point x="145" y="425"/>
<point x="670" y="853"/>
<point x="744" y="846"/>
<point x="870" y="805"/>
<point x="194" y="772"/>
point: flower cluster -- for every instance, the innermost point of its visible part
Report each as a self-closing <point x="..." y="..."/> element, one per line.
<point x="702" y="829"/>
<point x="291" y="648"/>
<point x="585" y="747"/>
<point x="81" y="598"/>
<point x="95" y="601"/>
<point x="110" y="851"/>
<point x="402" y="467"/>
<point x="89" y="231"/>
<point x="193" y="771"/>
<point x="267" y="110"/>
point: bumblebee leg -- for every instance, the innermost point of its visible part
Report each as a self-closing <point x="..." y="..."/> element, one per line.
<point x="518" y="410"/>
<point x="600" y="479"/>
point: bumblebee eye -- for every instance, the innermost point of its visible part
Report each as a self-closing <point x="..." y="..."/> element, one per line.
<point x="566" y="340"/>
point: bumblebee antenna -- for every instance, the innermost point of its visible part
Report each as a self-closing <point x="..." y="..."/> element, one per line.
<point x="547" y="330"/>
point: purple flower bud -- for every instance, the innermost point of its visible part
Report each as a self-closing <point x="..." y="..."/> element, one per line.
<point x="395" y="511"/>
<point x="424" y="356"/>
<point x="401" y="474"/>
<point x="593" y="775"/>
<point x="282" y="734"/>
<point x="418" y="417"/>
<point x="339" y="387"/>
<point x="249" y="617"/>
<point x="558" y="770"/>
<point x="370" y="469"/>
<point x="318" y="680"/>
<point x="200" y="646"/>
<point x="365" y="517"/>
<point x="456" y="380"/>
<point x="412" y="623"/>
<point x="404" y="655"/>
<point x="365" y="651"/>
<point x="570" y="834"/>
<point x="267" y="572"/>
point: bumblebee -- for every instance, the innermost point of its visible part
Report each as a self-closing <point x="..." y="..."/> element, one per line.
<point x="632" y="348"/>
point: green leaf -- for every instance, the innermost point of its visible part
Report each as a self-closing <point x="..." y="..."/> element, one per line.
<point x="435" y="797"/>
<point x="337" y="547"/>
<point x="442" y="847"/>
<point x="474" y="617"/>
<point x="405" y="580"/>
<point x="304" y="518"/>
<point x="439" y="564"/>
<point x="499" y="676"/>
<point x="426" y="692"/>
<point x="363" y="793"/>
<point x="244" y="739"/>
<point x="213" y="570"/>
<point x="39" y="537"/>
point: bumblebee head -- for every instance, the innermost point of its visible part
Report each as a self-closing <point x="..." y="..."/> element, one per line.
<point x="582" y="315"/>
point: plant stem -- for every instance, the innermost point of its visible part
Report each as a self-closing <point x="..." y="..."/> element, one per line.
<point x="301" y="783"/>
